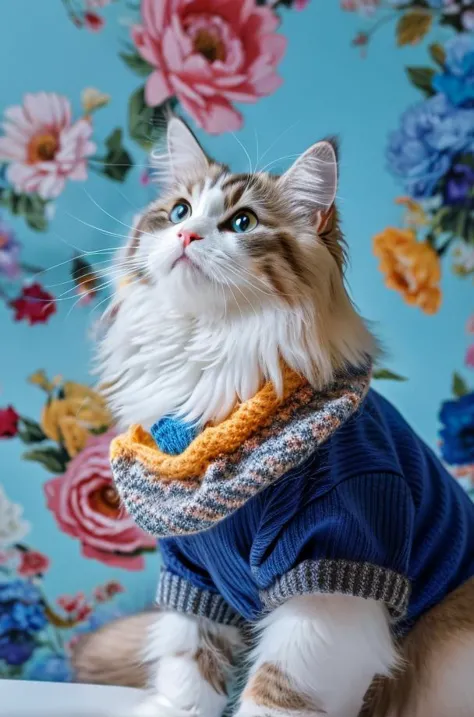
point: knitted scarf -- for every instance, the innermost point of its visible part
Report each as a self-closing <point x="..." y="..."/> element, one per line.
<point x="170" y="493"/>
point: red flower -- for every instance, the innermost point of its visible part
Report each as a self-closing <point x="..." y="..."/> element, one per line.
<point x="360" y="39"/>
<point x="8" y="422"/>
<point x="93" y="22"/>
<point x="33" y="563"/>
<point x="83" y="613"/>
<point x="113" y="587"/>
<point x="75" y="605"/>
<point x="100" y="595"/>
<point x="35" y="305"/>
<point x="70" y="603"/>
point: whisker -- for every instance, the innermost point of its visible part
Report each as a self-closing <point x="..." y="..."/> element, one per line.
<point x="245" y="150"/>
<point x="287" y="156"/>
<point x="257" y="150"/>
<point x="278" y="139"/>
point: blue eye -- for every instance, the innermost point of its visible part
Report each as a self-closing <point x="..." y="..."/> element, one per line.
<point x="243" y="221"/>
<point x="180" y="212"/>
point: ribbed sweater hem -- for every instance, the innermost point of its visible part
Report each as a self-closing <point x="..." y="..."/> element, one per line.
<point x="178" y="594"/>
<point x="345" y="577"/>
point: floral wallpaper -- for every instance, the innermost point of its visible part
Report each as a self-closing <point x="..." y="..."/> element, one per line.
<point x="87" y="85"/>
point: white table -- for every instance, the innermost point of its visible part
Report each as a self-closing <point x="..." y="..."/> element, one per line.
<point x="49" y="699"/>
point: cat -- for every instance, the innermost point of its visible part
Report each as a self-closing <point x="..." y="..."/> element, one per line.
<point x="357" y="583"/>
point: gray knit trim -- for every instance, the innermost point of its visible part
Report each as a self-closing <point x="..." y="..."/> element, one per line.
<point x="341" y="576"/>
<point x="178" y="594"/>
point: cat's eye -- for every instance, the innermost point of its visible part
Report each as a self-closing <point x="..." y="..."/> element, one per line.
<point x="180" y="212"/>
<point x="243" y="221"/>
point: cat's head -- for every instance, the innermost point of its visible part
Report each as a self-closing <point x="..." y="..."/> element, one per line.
<point x="229" y="276"/>
<point x="216" y="241"/>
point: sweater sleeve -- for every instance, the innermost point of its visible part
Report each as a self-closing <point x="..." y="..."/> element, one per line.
<point x="355" y="539"/>
<point x="187" y="587"/>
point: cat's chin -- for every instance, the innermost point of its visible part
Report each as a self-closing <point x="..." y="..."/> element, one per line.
<point x="189" y="290"/>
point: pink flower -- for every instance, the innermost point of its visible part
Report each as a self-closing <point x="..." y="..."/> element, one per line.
<point x="470" y="325"/>
<point x="209" y="54"/>
<point x="43" y="146"/>
<point x="97" y="3"/>
<point x="367" y="7"/>
<point x="86" y="506"/>
<point x="33" y="563"/>
<point x="469" y="358"/>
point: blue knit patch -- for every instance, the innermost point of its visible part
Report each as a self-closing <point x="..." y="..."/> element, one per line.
<point x="173" y="436"/>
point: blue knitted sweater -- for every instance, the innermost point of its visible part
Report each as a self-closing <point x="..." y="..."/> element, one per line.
<point x="372" y="513"/>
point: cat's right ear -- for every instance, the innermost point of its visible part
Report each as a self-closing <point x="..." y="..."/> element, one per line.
<point x="311" y="183"/>
<point x="185" y="154"/>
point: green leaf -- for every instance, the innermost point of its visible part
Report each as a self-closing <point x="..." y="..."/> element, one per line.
<point x="449" y="219"/>
<point x="136" y="63"/>
<point x="51" y="458"/>
<point x="146" y="125"/>
<point x="438" y="54"/>
<point x="29" y="206"/>
<point x="386" y="374"/>
<point x="413" y="26"/>
<point x="421" y="78"/>
<point x="459" y="386"/>
<point x="30" y="431"/>
<point x="117" y="161"/>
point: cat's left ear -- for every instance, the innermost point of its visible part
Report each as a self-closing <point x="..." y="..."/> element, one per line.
<point x="311" y="183"/>
<point x="185" y="153"/>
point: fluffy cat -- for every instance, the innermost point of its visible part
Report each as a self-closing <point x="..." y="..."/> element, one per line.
<point x="226" y="280"/>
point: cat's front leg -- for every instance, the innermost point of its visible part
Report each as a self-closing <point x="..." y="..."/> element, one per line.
<point x="317" y="655"/>
<point x="190" y="661"/>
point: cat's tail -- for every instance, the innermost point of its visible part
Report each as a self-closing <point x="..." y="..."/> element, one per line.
<point x="114" y="654"/>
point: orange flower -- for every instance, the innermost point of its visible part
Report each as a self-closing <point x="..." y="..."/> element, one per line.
<point x="410" y="267"/>
<point x="73" y="417"/>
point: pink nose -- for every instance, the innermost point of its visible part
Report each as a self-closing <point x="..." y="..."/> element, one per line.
<point x="187" y="237"/>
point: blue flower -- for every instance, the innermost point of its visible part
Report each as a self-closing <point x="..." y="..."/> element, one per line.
<point x="19" y="590"/>
<point x="457" y="80"/>
<point x="16" y="648"/>
<point x="457" y="190"/>
<point x="431" y="134"/>
<point x="50" y="668"/>
<point x="21" y="617"/>
<point x="457" y="434"/>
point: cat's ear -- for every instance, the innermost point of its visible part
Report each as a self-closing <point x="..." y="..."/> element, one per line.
<point x="184" y="151"/>
<point x="311" y="183"/>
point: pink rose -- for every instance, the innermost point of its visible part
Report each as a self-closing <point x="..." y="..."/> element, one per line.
<point x="86" y="505"/>
<point x="43" y="146"/>
<point x="33" y="563"/>
<point x="209" y="54"/>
